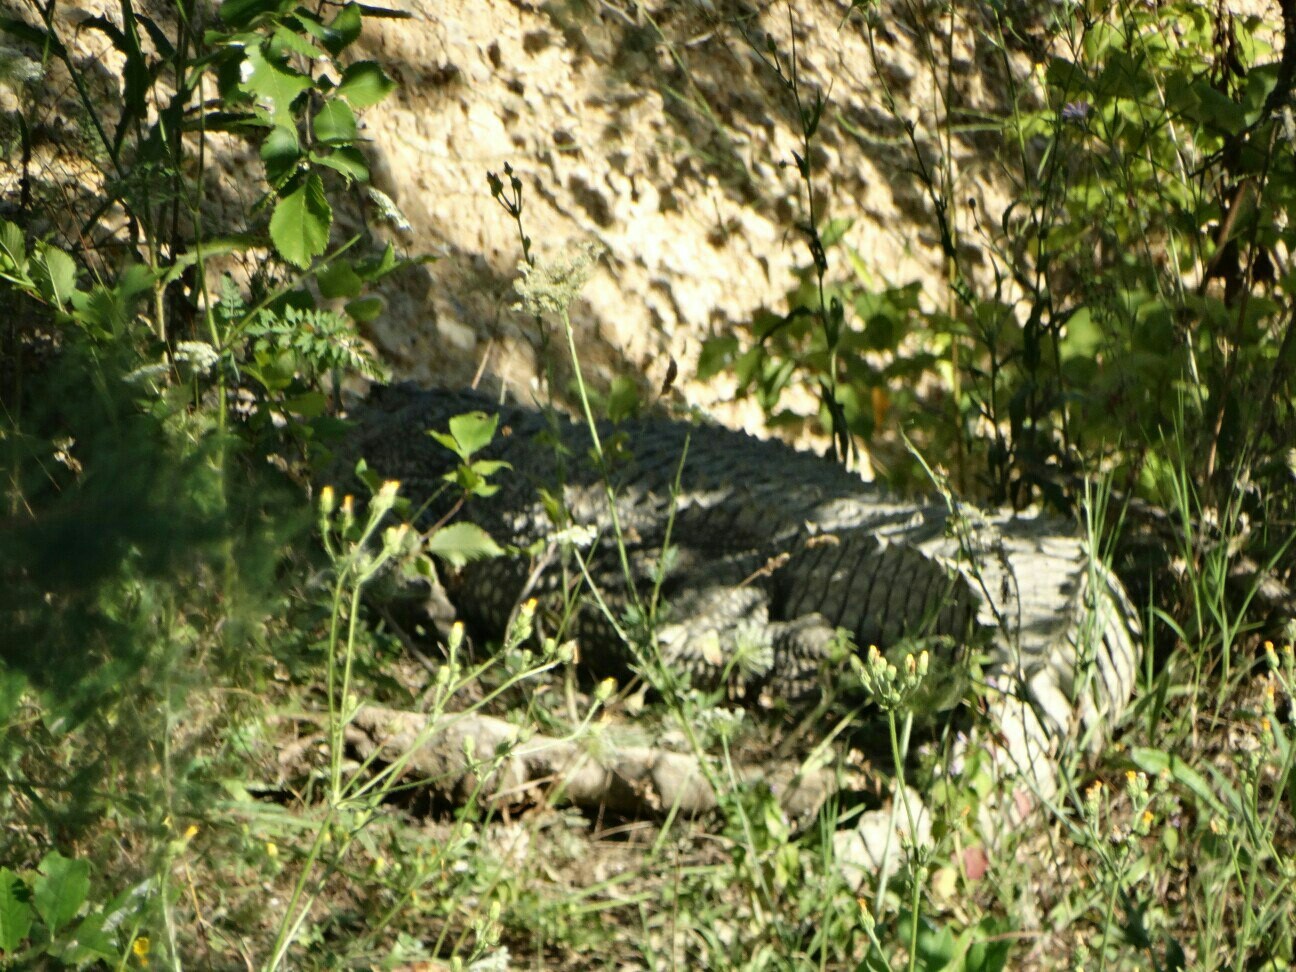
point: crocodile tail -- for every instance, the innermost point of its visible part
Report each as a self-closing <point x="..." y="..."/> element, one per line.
<point x="1087" y="689"/>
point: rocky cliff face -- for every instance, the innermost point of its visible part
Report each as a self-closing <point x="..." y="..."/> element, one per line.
<point x="666" y="135"/>
<point x="663" y="131"/>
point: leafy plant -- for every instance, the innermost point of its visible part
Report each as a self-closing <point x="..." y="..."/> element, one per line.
<point x="41" y="914"/>
<point x="148" y="422"/>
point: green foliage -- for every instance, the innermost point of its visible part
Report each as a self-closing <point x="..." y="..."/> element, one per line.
<point x="39" y="912"/>
<point x="468" y="435"/>
<point x="1131" y="323"/>
<point x="459" y="543"/>
<point x="1129" y="313"/>
<point x="151" y="430"/>
<point x="1132" y="275"/>
<point x="299" y="226"/>
<point x="878" y="372"/>
<point x="276" y="70"/>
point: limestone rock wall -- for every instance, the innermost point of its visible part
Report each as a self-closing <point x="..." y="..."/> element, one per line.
<point x="663" y="132"/>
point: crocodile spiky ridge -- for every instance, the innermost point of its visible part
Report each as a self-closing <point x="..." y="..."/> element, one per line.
<point x="774" y="548"/>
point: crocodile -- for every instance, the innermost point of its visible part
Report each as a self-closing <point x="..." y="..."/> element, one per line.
<point x="763" y="552"/>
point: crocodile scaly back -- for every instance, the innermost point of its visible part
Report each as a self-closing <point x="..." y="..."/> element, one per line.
<point x="776" y="549"/>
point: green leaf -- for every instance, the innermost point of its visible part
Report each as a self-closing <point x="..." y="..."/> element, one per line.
<point x="60" y="889"/>
<point x="335" y="123"/>
<point x="134" y="280"/>
<point x="109" y="29"/>
<point x="108" y="310"/>
<point x="135" y="70"/>
<point x="1069" y="78"/>
<point x="489" y="467"/>
<point x="299" y="227"/>
<point x="241" y="122"/>
<point x="364" y="84"/>
<point x="461" y="543"/>
<point x="835" y="230"/>
<point x="347" y="160"/>
<point x="448" y="441"/>
<point x="310" y="405"/>
<point x="365" y="309"/>
<point x="240" y="13"/>
<point x="15" y="912"/>
<point x="1083" y="335"/>
<point x="473" y="431"/>
<point x="165" y="49"/>
<point x="717" y="354"/>
<point x="13" y="252"/>
<point x="377" y="268"/>
<point x="283" y="41"/>
<point x="273" y="84"/>
<point x="989" y="953"/>
<point x="937" y="948"/>
<point x="1215" y="108"/>
<point x="623" y="399"/>
<point x="1175" y="958"/>
<point x="280" y="151"/>
<point x="473" y="479"/>
<point x="89" y="943"/>
<point x="344" y="29"/>
<point x="307" y="23"/>
<point x="55" y="274"/>
<point x="881" y="332"/>
<point x="339" y="279"/>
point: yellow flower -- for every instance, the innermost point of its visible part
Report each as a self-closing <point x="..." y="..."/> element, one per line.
<point x="140" y="948"/>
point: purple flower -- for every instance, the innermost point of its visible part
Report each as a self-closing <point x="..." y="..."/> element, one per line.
<point x="1076" y="111"/>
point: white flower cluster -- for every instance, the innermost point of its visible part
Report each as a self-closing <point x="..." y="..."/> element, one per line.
<point x="551" y="287"/>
